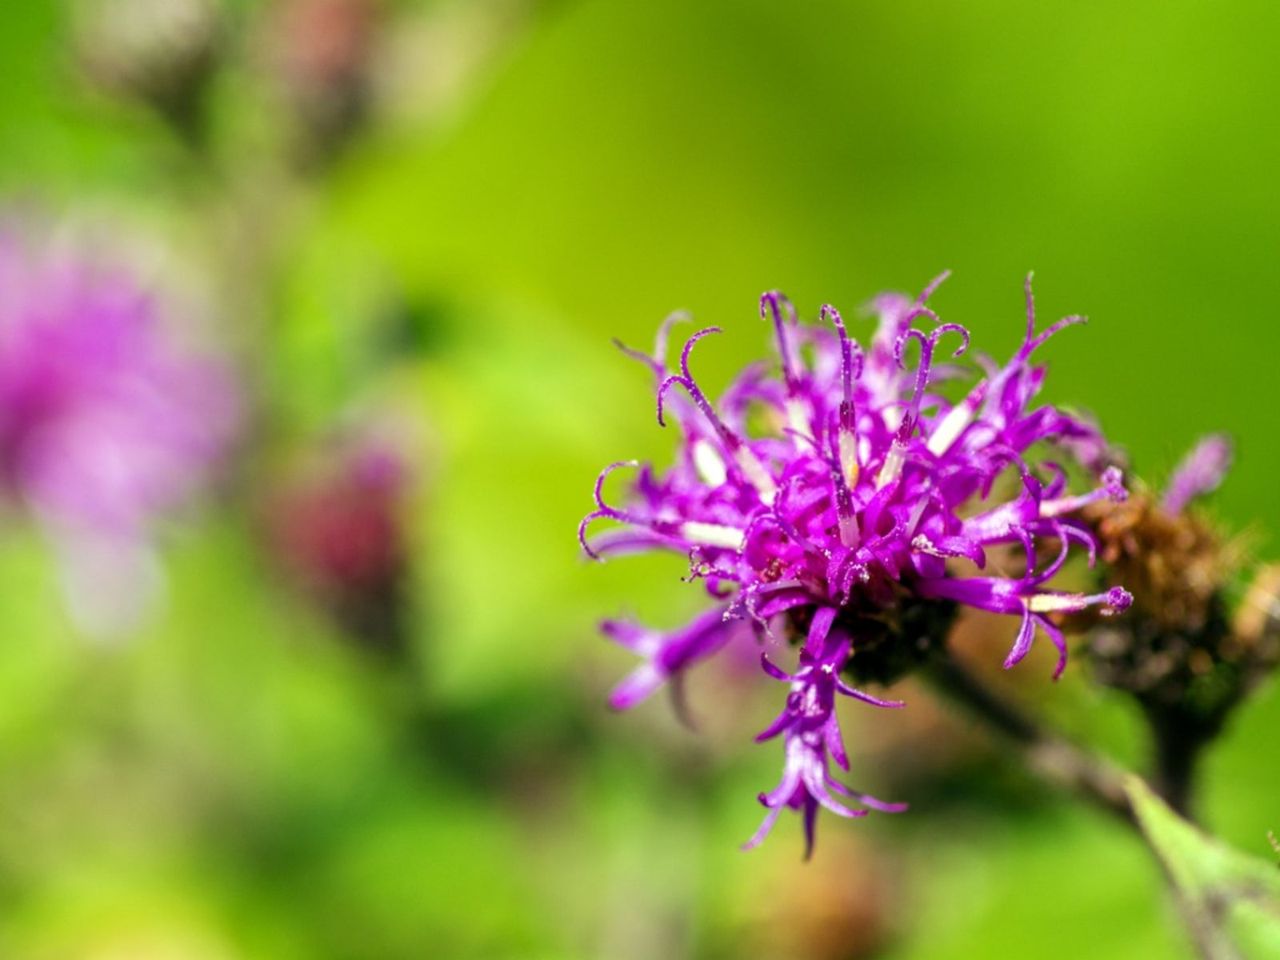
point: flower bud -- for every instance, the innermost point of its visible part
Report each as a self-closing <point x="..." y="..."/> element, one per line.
<point x="158" y="52"/>
<point x="336" y="529"/>
<point x="322" y="54"/>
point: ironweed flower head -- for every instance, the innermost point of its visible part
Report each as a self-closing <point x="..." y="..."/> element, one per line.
<point x="104" y="425"/>
<point x="861" y="517"/>
<point x="1175" y="562"/>
<point x="1182" y="653"/>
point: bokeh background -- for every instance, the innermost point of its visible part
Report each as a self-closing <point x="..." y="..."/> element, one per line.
<point x="364" y="716"/>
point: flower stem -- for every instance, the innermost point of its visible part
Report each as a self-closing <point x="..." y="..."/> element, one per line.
<point x="1177" y="747"/>
<point x="1091" y="777"/>
<point x="1054" y="758"/>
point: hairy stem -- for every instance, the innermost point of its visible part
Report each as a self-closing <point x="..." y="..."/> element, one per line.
<point x="1091" y="777"/>
<point x="1177" y="748"/>
<point x="1054" y="758"/>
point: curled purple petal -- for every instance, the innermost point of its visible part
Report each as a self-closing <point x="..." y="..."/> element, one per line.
<point x="665" y="654"/>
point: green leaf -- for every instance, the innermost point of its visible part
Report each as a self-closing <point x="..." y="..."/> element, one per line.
<point x="1229" y="899"/>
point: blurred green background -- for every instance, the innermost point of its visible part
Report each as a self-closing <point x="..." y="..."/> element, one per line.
<point x="518" y="183"/>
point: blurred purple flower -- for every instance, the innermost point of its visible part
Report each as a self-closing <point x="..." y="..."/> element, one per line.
<point x="104" y="425"/>
<point x="1200" y="472"/>
<point x="863" y="495"/>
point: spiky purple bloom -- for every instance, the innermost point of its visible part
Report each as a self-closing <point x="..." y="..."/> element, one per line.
<point x="104" y="425"/>
<point x="868" y="491"/>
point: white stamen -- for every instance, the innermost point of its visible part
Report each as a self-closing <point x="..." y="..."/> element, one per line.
<point x="796" y="419"/>
<point x="952" y="425"/>
<point x="1055" y="602"/>
<point x="709" y="464"/>
<point x="893" y="463"/>
<point x="848" y="448"/>
<point x="1056" y="508"/>
<point x="713" y="534"/>
<point x="892" y="418"/>
<point x="916" y="513"/>
<point x="849" y="535"/>
<point x="755" y="473"/>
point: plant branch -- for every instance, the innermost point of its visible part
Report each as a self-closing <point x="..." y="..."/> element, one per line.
<point x="1053" y="757"/>
<point x="1076" y="770"/>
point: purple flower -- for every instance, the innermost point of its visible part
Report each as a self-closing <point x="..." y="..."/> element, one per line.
<point x="104" y="425"/>
<point x="1200" y="472"/>
<point x="812" y="732"/>
<point x="867" y="493"/>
